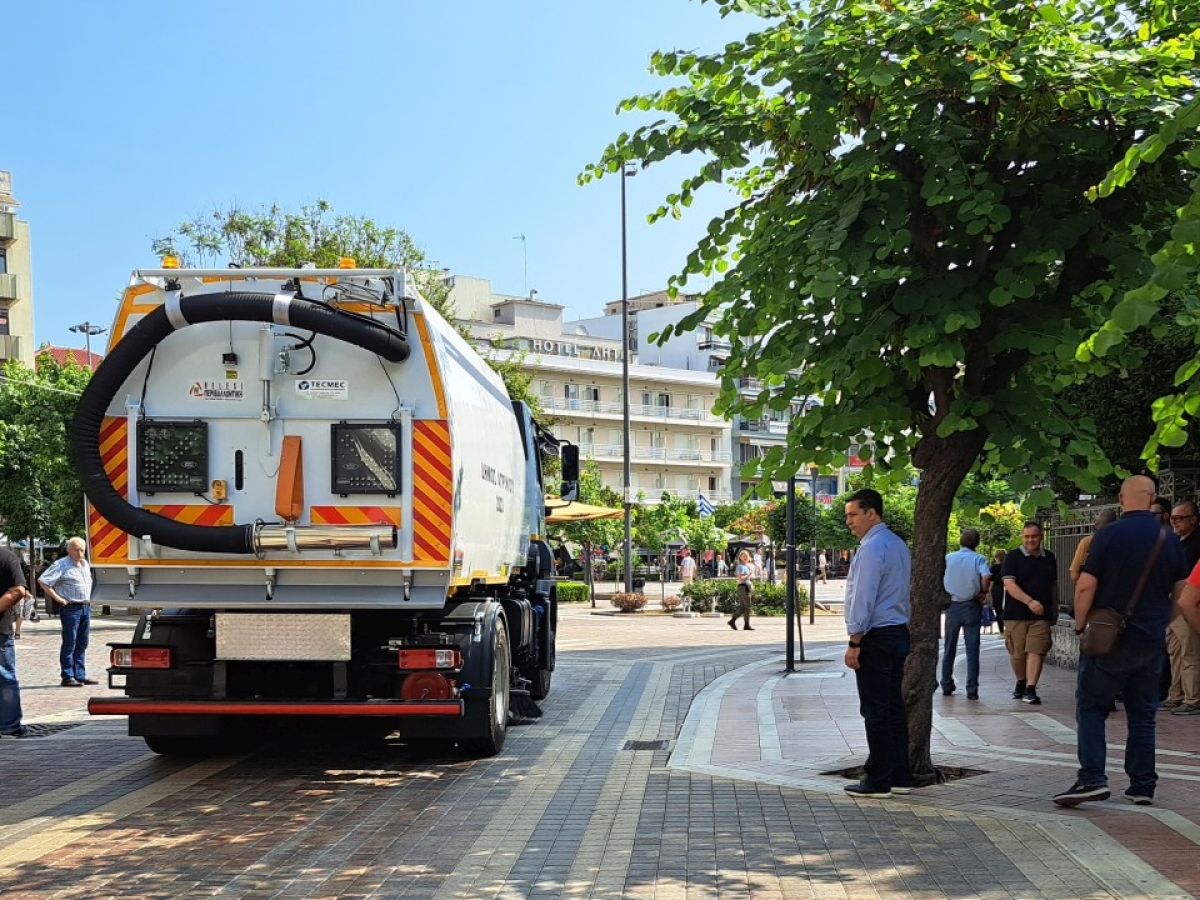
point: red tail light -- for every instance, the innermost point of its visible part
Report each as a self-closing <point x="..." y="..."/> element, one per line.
<point x="430" y="658"/>
<point x="140" y="657"/>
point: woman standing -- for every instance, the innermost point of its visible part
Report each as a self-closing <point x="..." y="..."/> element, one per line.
<point x="745" y="590"/>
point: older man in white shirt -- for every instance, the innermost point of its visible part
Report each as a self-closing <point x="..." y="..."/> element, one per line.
<point x="68" y="581"/>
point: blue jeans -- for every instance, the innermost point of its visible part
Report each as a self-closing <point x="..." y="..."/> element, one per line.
<point x="967" y="615"/>
<point x="1131" y="672"/>
<point x="76" y="628"/>
<point x="879" y="677"/>
<point x="10" y="689"/>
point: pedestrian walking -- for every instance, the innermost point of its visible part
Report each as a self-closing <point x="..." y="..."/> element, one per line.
<point x="877" y="611"/>
<point x="745" y="590"/>
<point x="1030" y="605"/>
<point x="1104" y="517"/>
<point x="997" y="572"/>
<point x="12" y="593"/>
<point x="967" y="581"/>
<point x="1183" y="642"/>
<point x="687" y="566"/>
<point x="1135" y="569"/>
<point x="69" y="582"/>
<point x="823" y="567"/>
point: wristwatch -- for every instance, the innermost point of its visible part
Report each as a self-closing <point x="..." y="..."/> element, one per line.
<point x="854" y="645"/>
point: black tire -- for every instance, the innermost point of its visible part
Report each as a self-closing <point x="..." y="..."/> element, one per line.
<point x="173" y="745"/>
<point x="492" y="715"/>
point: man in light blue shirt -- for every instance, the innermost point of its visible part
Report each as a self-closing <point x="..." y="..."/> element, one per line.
<point x="967" y="581"/>
<point x="877" y="612"/>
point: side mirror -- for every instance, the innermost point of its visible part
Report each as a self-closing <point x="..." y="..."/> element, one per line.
<point x="570" y="471"/>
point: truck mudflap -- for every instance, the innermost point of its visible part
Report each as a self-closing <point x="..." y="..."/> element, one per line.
<point x="132" y="706"/>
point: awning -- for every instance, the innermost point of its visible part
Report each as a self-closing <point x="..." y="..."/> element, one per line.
<point x="559" y="511"/>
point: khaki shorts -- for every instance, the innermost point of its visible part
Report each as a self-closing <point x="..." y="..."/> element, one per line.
<point x="1024" y="636"/>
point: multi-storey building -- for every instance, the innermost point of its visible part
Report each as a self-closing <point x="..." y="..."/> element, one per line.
<point x="677" y="444"/>
<point x="16" y="280"/>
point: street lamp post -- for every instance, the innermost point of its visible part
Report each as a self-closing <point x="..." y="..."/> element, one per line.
<point x="812" y="566"/>
<point x="88" y="329"/>
<point x="626" y="172"/>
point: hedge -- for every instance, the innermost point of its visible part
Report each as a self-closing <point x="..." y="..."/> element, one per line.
<point x="573" y="592"/>
<point x="769" y="599"/>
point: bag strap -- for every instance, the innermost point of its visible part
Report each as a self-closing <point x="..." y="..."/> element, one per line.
<point x="1137" y="592"/>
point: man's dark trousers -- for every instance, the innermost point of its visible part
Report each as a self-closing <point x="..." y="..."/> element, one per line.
<point x="1131" y="672"/>
<point x="879" y="676"/>
<point x="967" y="615"/>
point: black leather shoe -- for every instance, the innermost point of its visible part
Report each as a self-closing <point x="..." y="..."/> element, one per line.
<point x="946" y="692"/>
<point x="71" y="682"/>
<point x="970" y="696"/>
<point x="747" y="628"/>
<point x="89" y="681"/>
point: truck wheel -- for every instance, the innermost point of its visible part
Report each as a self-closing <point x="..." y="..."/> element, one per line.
<point x="493" y="715"/>
<point x="172" y="745"/>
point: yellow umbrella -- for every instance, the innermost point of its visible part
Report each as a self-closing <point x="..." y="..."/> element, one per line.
<point x="560" y="511"/>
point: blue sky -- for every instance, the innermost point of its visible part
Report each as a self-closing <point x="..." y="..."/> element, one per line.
<point x="464" y="123"/>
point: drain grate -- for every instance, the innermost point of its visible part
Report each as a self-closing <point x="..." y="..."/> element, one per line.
<point x="646" y="745"/>
<point x="49" y="728"/>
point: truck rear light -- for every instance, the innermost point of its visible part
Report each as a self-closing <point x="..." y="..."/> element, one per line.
<point x="430" y="658"/>
<point x="141" y="657"/>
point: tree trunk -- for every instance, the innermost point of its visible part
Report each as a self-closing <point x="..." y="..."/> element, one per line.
<point x="943" y="463"/>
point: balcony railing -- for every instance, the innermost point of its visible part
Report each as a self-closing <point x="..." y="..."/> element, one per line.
<point x="651" y="454"/>
<point x="8" y="228"/>
<point x="763" y="426"/>
<point x="612" y="408"/>
<point x="714" y="344"/>
<point x="9" y="289"/>
<point x="10" y="347"/>
<point x="654" y="494"/>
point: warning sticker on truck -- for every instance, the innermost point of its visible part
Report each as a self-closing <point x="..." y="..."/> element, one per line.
<point x="317" y="389"/>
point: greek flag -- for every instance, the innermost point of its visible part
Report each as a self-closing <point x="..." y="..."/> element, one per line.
<point x="706" y="507"/>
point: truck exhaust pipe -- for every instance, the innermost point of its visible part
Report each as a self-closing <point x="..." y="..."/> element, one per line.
<point x="297" y="538"/>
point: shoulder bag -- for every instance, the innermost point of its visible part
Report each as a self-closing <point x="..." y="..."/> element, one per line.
<point x="1102" y="632"/>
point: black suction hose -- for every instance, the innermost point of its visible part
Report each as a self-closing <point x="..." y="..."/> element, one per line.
<point x="153" y="329"/>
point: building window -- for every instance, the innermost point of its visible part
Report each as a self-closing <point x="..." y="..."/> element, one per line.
<point x="712" y="482"/>
<point x="591" y="393"/>
<point x="658" y="439"/>
<point x="3" y="321"/>
<point x="587" y="437"/>
<point x="545" y="389"/>
<point x="3" y="261"/>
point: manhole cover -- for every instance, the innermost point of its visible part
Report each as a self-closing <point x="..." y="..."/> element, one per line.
<point x="646" y="745"/>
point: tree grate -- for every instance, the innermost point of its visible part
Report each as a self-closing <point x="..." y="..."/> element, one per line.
<point x="49" y="728"/>
<point x="942" y="774"/>
<point x="646" y="745"/>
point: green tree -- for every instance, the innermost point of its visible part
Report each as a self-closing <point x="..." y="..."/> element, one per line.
<point x="657" y="524"/>
<point x="913" y="244"/>
<point x="1176" y="262"/>
<point x="272" y="236"/>
<point x="40" y="493"/>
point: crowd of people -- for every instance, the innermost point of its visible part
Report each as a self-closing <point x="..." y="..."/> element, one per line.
<point x="1141" y="570"/>
<point x="67" y="585"/>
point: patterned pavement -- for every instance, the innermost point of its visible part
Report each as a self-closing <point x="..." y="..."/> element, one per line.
<point x="675" y="760"/>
